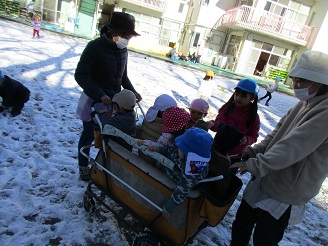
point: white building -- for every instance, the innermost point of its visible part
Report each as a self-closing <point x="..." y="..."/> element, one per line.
<point x="251" y="37"/>
<point x="260" y="37"/>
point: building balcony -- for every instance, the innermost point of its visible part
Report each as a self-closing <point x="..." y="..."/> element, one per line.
<point x="266" y="23"/>
<point x="158" y="5"/>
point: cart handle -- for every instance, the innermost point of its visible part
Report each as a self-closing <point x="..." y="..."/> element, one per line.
<point x="113" y="131"/>
<point x="143" y="113"/>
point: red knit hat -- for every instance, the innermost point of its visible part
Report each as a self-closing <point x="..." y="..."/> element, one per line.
<point x="174" y="119"/>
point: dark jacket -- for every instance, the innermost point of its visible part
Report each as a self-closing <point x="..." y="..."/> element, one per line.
<point x="102" y="69"/>
<point x="126" y="122"/>
<point x="218" y="165"/>
<point x="13" y="92"/>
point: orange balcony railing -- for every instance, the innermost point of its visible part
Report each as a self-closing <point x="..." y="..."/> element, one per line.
<point x="267" y="23"/>
<point x="159" y="5"/>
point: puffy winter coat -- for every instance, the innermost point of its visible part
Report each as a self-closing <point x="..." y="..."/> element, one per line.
<point x="151" y="131"/>
<point x="102" y="69"/>
<point x="272" y="87"/>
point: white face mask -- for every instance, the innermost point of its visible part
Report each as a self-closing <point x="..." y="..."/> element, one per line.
<point x="122" y="43"/>
<point x="303" y="93"/>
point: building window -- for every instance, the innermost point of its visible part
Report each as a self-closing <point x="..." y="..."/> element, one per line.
<point x="298" y="12"/>
<point x="246" y="2"/>
<point x="204" y="2"/>
<point x="181" y="8"/>
<point x="312" y="18"/>
<point x="196" y="39"/>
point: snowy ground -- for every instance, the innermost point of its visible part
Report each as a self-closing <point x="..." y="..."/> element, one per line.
<point x="40" y="193"/>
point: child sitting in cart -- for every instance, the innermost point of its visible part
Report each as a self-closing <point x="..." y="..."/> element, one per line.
<point x="198" y="110"/>
<point x="152" y="124"/>
<point x="174" y="125"/>
<point x="153" y="121"/>
<point x="191" y="156"/>
<point x="124" y="118"/>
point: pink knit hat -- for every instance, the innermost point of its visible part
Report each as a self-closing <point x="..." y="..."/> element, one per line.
<point x="174" y="119"/>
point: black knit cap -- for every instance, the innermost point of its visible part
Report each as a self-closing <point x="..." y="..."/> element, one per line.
<point x="122" y="23"/>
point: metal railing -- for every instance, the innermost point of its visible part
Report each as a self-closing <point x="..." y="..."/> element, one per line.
<point x="159" y="5"/>
<point x="265" y="22"/>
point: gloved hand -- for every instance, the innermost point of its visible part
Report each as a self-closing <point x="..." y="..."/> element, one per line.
<point x="101" y="108"/>
<point x="106" y="100"/>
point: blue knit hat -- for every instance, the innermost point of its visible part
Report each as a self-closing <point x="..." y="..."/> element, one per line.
<point x="195" y="140"/>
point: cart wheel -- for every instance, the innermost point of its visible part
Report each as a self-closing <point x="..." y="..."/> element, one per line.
<point x="146" y="238"/>
<point x="122" y="213"/>
<point x="102" y="196"/>
<point x="88" y="203"/>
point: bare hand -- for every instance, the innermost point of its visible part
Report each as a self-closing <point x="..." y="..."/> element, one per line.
<point x="242" y="169"/>
<point x="210" y="124"/>
<point x="248" y="154"/>
<point x="140" y="142"/>
<point x="106" y="100"/>
<point x="138" y="96"/>
<point x="243" y="141"/>
<point x="153" y="148"/>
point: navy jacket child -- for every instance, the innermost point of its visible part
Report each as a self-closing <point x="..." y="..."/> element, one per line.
<point x="226" y="138"/>
<point x="13" y="94"/>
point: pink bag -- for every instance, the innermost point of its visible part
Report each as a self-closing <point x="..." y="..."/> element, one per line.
<point x="83" y="110"/>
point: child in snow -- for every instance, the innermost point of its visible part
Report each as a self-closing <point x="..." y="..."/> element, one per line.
<point x="272" y="87"/>
<point x="207" y="86"/>
<point x="226" y="138"/>
<point x="30" y="8"/>
<point x="194" y="146"/>
<point x="241" y="112"/>
<point x="14" y="95"/>
<point x="36" y="26"/>
<point x="198" y="110"/>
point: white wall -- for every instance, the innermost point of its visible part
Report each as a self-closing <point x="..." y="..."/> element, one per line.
<point x="319" y="40"/>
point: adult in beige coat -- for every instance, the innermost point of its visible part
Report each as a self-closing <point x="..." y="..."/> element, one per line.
<point x="289" y="166"/>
